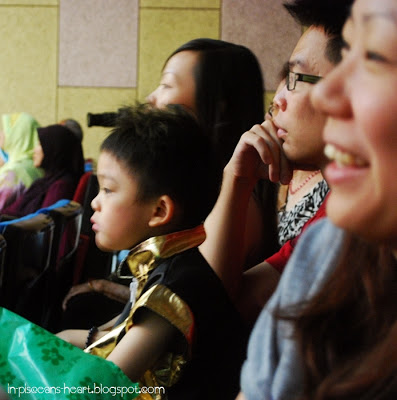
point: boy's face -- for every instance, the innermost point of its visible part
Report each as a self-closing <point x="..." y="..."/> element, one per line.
<point x="119" y="220"/>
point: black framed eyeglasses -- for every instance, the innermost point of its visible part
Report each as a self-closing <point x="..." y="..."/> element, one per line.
<point x="271" y="109"/>
<point x="294" y="77"/>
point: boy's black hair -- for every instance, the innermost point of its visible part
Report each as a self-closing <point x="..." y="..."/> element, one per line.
<point x="168" y="154"/>
<point x="327" y="14"/>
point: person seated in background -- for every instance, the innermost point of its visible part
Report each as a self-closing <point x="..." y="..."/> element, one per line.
<point x="299" y="200"/>
<point x="180" y="327"/>
<point x="221" y="83"/>
<point x="74" y="126"/>
<point x="60" y="155"/>
<point x="291" y="139"/>
<point x="18" y="139"/>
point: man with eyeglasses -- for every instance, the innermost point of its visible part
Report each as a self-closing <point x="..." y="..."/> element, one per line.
<point x="291" y="139"/>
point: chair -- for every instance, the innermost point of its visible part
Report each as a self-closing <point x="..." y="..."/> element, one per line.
<point x="67" y="218"/>
<point x="91" y="262"/>
<point x="81" y="190"/>
<point x="3" y="245"/>
<point x="24" y="275"/>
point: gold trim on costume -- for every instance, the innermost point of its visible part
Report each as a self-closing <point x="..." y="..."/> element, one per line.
<point x="142" y="260"/>
<point x="145" y="257"/>
<point x="170" y="306"/>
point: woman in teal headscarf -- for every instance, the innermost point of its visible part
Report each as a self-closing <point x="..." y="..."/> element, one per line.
<point x="18" y="139"/>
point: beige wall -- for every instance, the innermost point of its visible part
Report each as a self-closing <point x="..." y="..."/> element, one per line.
<point x="64" y="58"/>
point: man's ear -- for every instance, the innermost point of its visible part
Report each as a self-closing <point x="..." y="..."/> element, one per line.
<point x="163" y="211"/>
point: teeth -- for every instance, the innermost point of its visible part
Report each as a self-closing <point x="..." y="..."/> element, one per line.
<point x="342" y="158"/>
<point x="330" y="151"/>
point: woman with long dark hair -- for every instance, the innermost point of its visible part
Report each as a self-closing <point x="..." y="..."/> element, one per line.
<point x="221" y="82"/>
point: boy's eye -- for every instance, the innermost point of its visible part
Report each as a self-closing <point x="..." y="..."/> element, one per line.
<point x="371" y="55"/>
<point x="106" y="190"/>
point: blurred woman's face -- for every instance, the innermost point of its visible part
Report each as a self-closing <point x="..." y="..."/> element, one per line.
<point x="38" y="156"/>
<point x="359" y="97"/>
<point x="177" y="84"/>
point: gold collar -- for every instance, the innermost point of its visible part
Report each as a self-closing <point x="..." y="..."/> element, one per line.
<point x="146" y="256"/>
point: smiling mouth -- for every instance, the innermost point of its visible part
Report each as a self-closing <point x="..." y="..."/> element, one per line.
<point x="343" y="158"/>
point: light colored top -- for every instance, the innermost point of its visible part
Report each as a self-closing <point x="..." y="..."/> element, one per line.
<point x="273" y="369"/>
<point x="18" y="173"/>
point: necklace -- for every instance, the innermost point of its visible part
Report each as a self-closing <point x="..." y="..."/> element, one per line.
<point x="293" y="191"/>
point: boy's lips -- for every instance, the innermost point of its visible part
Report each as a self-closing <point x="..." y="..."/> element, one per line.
<point x="94" y="225"/>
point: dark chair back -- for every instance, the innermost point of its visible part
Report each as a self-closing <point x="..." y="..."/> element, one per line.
<point x="3" y="245"/>
<point x="26" y="266"/>
<point x="81" y="190"/>
<point x="67" y="219"/>
<point x="91" y="262"/>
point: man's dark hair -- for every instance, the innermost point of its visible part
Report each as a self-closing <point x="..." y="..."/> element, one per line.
<point x="168" y="154"/>
<point x="327" y="14"/>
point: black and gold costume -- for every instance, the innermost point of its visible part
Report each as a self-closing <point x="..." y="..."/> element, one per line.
<point x="176" y="282"/>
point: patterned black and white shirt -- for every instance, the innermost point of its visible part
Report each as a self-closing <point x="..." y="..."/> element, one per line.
<point x="290" y="223"/>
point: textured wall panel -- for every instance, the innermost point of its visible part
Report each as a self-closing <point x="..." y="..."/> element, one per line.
<point x="98" y="43"/>
<point x="266" y="28"/>
<point x="180" y="3"/>
<point x="161" y="32"/>
<point x="29" y="2"/>
<point x="28" y="61"/>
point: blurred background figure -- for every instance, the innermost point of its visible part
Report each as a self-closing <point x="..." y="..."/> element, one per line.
<point x="17" y="139"/>
<point x="60" y="155"/>
<point x="74" y="126"/>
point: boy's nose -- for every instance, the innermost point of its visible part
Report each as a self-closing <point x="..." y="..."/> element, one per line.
<point x="94" y="203"/>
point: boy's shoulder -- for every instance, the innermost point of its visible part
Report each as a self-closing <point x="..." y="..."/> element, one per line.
<point x="190" y="276"/>
<point x="188" y="265"/>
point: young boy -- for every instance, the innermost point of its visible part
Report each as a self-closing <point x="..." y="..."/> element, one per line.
<point x="157" y="186"/>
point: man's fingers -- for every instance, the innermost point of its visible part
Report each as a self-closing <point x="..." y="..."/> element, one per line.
<point x="282" y="170"/>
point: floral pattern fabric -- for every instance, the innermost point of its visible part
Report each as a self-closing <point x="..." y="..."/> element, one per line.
<point x="291" y="222"/>
<point x="37" y="365"/>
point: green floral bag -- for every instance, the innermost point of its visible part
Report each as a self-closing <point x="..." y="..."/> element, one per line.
<point x="37" y="365"/>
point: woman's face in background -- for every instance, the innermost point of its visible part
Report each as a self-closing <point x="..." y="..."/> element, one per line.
<point x="38" y="155"/>
<point x="177" y="84"/>
<point x="359" y="97"/>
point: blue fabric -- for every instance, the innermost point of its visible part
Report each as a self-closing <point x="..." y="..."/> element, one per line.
<point x="273" y="369"/>
<point x="3" y="155"/>
<point x="4" y="224"/>
<point x="122" y="254"/>
<point x="59" y="203"/>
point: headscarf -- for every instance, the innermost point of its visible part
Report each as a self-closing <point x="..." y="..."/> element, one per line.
<point x="63" y="154"/>
<point x="20" y="131"/>
<point x="63" y="161"/>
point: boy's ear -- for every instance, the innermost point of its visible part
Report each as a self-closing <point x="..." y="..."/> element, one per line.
<point x="163" y="211"/>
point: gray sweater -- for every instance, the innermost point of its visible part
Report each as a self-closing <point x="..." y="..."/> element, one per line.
<point x="273" y="369"/>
